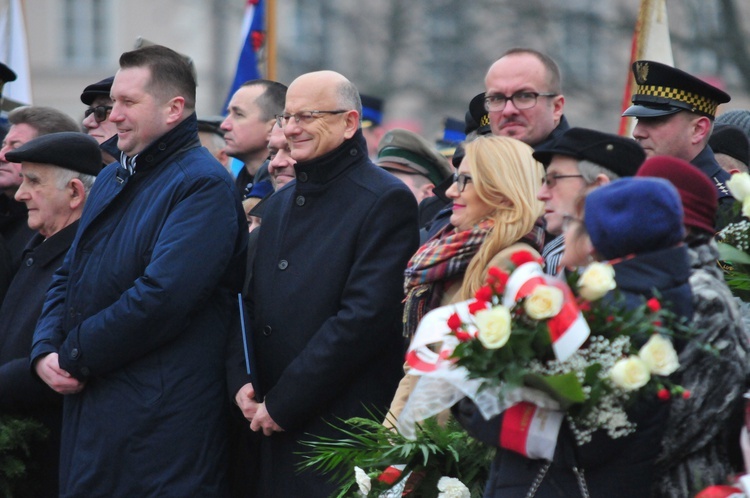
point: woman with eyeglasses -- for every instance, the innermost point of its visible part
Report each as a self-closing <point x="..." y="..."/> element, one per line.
<point x="494" y="214"/>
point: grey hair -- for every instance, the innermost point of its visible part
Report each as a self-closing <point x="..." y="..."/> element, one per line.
<point x="590" y="171"/>
<point x="347" y="97"/>
<point x="64" y="176"/>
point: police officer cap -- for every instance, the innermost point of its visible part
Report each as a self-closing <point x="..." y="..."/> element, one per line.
<point x="479" y="116"/>
<point x="618" y="154"/>
<point x="67" y="149"/>
<point x="664" y="90"/>
<point x="408" y="149"/>
<point x="372" y="111"/>
<point x="98" y="89"/>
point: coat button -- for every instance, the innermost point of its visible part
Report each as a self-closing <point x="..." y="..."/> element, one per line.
<point x="352" y="152"/>
<point x="302" y="177"/>
<point x="300" y="200"/>
<point x="29" y="261"/>
<point x="283" y="264"/>
<point x="72" y="312"/>
<point x="74" y="353"/>
<point x="267" y="330"/>
<point x="85" y="371"/>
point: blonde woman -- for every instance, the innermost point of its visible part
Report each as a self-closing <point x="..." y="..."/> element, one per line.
<point x="495" y="211"/>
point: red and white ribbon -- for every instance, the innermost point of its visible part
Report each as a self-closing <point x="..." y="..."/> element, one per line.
<point x="568" y="329"/>
<point x="530" y="430"/>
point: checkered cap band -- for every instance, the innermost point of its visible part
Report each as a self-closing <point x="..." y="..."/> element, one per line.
<point x="698" y="102"/>
<point x="484" y="120"/>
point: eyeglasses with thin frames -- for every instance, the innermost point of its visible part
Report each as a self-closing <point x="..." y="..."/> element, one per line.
<point x="550" y="179"/>
<point x="100" y="112"/>
<point x="303" y="116"/>
<point x="521" y="100"/>
<point x="461" y="181"/>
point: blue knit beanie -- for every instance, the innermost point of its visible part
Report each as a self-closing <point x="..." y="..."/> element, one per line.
<point x="632" y="216"/>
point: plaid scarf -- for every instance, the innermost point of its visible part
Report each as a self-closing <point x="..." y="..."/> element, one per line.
<point x="441" y="259"/>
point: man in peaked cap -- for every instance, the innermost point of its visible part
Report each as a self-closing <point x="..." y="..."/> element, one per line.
<point x="412" y="159"/>
<point x="675" y="112"/>
<point x="57" y="171"/>
<point x="96" y="117"/>
<point x="212" y="137"/>
<point x="580" y="159"/>
<point x="372" y="118"/>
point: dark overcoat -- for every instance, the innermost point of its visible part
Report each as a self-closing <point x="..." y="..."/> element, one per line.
<point x="140" y="312"/>
<point x="327" y="293"/>
<point x="22" y="394"/>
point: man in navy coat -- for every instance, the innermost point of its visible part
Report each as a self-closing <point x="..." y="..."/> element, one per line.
<point x="135" y="324"/>
<point x="327" y="285"/>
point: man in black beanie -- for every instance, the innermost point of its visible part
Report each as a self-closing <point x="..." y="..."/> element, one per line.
<point x="731" y="148"/>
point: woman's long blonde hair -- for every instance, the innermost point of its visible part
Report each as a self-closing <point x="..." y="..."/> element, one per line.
<point x="505" y="175"/>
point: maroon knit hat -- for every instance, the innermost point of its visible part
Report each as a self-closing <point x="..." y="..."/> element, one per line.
<point x="699" y="200"/>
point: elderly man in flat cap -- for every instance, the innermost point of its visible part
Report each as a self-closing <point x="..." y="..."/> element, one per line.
<point x="57" y="171"/>
<point x="96" y="117"/>
<point x="579" y="160"/>
<point x="414" y="161"/>
<point x="676" y="113"/>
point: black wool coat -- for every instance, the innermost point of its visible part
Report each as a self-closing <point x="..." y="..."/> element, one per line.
<point x="327" y="303"/>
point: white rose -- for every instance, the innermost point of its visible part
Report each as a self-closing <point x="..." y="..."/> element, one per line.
<point x="596" y="280"/>
<point x="630" y="373"/>
<point x="746" y="207"/>
<point x="450" y="487"/>
<point x="363" y="481"/>
<point x="544" y="301"/>
<point x="659" y="355"/>
<point x="739" y="186"/>
<point x="494" y="326"/>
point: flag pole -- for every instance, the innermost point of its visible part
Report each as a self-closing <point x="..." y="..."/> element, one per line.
<point x="271" y="40"/>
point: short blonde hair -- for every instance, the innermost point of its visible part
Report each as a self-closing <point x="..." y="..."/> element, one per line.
<point x="505" y="175"/>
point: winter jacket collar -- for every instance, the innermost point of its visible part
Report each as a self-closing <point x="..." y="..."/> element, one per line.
<point x="182" y="137"/>
<point x="325" y="168"/>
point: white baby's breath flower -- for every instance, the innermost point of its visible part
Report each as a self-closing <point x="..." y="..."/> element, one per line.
<point x="494" y="326"/>
<point x="630" y="373"/>
<point x="544" y="301"/>
<point x="450" y="487"/>
<point x="739" y="186"/>
<point x="659" y="355"/>
<point x="596" y="280"/>
<point x="363" y="481"/>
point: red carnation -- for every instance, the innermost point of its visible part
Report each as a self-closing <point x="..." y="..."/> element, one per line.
<point x="610" y="319"/>
<point x="521" y="257"/>
<point x="653" y="304"/>
<point x="454" y="322"/>
<point x="499" y="280"/>
<point x="663" y="394"/>
<point x="477" y="306"/>
<point x="483" y="294"/>
<point x="686" y="394"/>
<point x="390" y="475"/>
<point x="462" y="335"/>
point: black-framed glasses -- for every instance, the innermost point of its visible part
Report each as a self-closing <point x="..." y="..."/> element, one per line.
<point x="303" y="116"/>
<point x="521" y="100"/>
<point x="550" y="179"/>
<point x="100" y="112"/>
<point x="461" y="181"/>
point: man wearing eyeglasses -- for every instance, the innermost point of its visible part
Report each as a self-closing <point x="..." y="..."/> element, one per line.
<point x="579" y="160"/>
<point x="523" y="95"/>
<point x="96" y="117"/>
<point x="327" y="286"/>
<point x="26" y="123"/>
